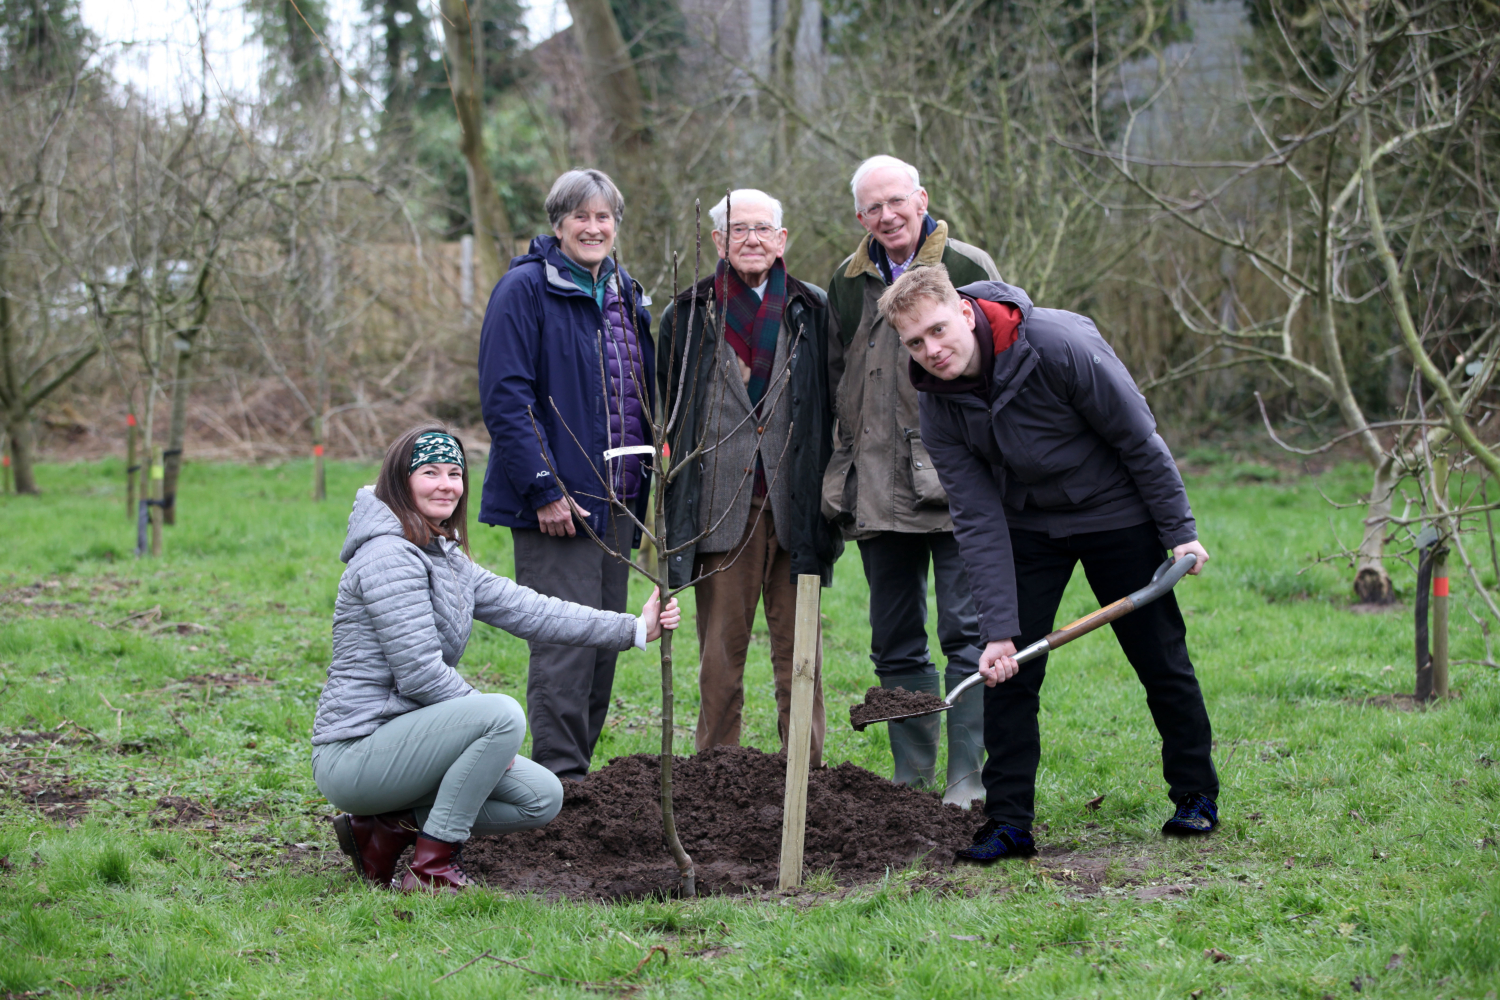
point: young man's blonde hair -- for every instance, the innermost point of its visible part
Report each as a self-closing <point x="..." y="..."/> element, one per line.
<point x="920" y="284"/>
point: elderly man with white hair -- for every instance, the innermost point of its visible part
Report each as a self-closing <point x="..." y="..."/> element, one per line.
<point x="880" y="485"/>
<point x="745" y="370"/>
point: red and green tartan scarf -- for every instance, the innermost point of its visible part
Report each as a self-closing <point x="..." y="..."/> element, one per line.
<point x="752" y="323"/>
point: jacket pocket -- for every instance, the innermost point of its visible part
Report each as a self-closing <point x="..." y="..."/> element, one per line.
<point x="837" y="505"/>
<point x="924" y="478"/>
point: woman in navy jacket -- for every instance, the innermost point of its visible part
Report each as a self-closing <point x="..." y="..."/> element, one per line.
<point x="566" y="370"/>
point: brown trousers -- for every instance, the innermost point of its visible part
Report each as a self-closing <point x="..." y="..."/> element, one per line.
<point x="726" y="615"/>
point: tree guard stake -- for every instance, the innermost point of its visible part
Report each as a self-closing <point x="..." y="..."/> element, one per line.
<point x="799" y="729"/>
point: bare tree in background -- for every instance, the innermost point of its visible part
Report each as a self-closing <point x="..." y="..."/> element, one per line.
<point x="1341" y="128"/>
<point x="492" y="229"/>
<point x="43" y="344"/>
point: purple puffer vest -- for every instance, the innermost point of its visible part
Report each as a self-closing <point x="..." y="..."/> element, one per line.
<point x="627" y="413"/>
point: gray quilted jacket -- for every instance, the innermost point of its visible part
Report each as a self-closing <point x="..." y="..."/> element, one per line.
<point x="403" y="618"/>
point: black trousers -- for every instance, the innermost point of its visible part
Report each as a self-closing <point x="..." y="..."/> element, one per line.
<point x="896" y="569"/>
<point x="1153" y="638"/>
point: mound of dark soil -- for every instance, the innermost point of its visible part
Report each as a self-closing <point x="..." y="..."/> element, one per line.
<point x="883" y="703"/>
<point x="608" y="841"/>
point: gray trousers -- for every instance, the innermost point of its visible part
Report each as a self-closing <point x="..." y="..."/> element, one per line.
<point x="896" y="569"/>
<point x="568" y="687"/>
<point x="448" y="763"/>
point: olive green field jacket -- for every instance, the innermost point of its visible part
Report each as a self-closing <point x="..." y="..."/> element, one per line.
<point x="880" y="477"/>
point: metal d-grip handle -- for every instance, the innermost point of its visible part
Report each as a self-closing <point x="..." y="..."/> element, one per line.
<point x="1163" y="580"/>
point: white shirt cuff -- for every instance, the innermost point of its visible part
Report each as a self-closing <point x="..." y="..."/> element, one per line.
<point x="640" y="633"/>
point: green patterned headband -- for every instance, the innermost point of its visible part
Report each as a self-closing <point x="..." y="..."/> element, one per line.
<point x="434" y="448"/>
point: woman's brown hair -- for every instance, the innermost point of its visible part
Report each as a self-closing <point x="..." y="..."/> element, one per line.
<point x="393" y="489"/>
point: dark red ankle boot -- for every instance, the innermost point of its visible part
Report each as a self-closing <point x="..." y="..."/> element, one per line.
<point x="374" y="843"/>
<point x="434" y="868"/>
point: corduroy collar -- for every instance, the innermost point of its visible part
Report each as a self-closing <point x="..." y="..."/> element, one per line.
<point x="929" y="253"/>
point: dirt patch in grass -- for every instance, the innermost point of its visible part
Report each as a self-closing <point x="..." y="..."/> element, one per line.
<point x="885" y="703"/>
<point x="608" y="842"/>
<point x="1118" y="868"/>
<point x="55" y="795"/>
<point x="1089" y="872"/>
<point x="30" y="778"/>
<point x="12" y="741"/>
<point x="178" y="810"/>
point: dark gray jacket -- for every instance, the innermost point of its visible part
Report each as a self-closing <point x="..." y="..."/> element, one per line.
<point x="1067" y="444"/>
<point x="814" y="544"/>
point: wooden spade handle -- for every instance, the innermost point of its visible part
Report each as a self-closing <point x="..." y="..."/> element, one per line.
<point x="1163" y="580"/>
<point x="1089" y="622"/>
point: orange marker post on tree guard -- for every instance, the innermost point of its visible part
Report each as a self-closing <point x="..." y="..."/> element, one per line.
<point x="317" y="451"/>
<point x="1440" y="586"/>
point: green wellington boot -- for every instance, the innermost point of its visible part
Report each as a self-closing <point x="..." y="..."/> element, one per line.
<point x="965" y="743"/>
<point x="914" y="743"/>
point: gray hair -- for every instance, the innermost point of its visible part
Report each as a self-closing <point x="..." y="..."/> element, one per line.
<point x="577" y="188"/>
<point x="875" y="163"/>
<point x="720" y="212"/>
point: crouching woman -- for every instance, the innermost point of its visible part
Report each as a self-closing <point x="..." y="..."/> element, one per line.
<point x="405" y="746"/>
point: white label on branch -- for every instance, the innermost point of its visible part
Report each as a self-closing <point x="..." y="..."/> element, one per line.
<point x="635" y="449"/>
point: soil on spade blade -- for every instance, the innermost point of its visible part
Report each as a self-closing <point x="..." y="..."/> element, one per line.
<point x="883" y="703"/>
<point x="608" y="842"/>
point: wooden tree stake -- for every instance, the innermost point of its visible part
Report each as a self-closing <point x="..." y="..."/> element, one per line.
<point x="799" y="731"/>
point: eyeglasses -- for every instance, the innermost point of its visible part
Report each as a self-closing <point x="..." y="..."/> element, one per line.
<point x="739" y="232"/>
<point x="896" y="204"/>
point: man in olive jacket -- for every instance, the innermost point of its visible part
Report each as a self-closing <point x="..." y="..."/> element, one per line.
<point x="881" y="487"/>
<point x="747" y="378"/>
<point x="1050" y="457"/>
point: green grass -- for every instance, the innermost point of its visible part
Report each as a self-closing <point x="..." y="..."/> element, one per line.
<point x="1351" y="834"/>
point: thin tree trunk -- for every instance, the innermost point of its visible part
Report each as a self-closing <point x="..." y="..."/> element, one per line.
<point x="13" y="394"/>
<point x="183" y="344"/>
<point x="1372" y="582"/>
<point x="685" y="868"/>
<point x="611" y="73"/>
<point x="18" y="428"/>
<point x="172" y="457"/>
<point x="148" y="426"/>
<point x="491" y="225"/>
<point x="786" y="74"/>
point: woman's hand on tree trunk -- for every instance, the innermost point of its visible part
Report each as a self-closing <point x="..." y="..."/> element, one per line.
<point x="657" y="618"/>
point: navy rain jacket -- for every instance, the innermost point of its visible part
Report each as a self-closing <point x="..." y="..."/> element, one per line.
<point x="541" y="339"/>
<point x="1064" y="444"/>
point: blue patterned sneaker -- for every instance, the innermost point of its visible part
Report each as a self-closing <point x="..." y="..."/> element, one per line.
<point x="995" y="840"/>
<point x="1196" y="816"/>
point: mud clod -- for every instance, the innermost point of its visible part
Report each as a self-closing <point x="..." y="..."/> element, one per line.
<point x="608" y="842"/>
<point x="883" y="703"/>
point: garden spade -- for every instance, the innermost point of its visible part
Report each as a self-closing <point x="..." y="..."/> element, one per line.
<point x="1163" y="580"/>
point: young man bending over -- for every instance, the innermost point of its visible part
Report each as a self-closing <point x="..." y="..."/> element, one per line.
<point x="1049" y="455"/>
